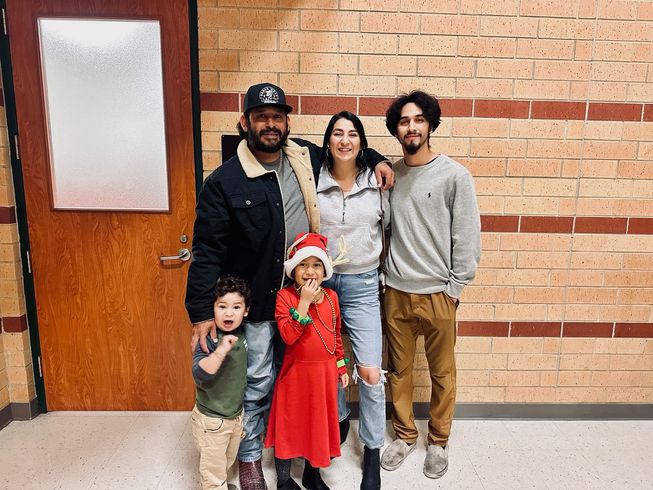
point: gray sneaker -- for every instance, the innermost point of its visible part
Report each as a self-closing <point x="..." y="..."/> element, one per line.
<point x="395" y="454"/>
<point x="436" y="461"/>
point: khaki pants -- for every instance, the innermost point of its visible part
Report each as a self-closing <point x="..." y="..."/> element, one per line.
<point x="217" y="440"/>
<point x="434" y="315"/>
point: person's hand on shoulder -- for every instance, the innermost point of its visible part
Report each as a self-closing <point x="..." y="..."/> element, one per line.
<point x="384" y="174"/>
<point x="200" y="331"/>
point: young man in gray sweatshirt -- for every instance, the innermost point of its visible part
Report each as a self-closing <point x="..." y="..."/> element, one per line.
<point x="435" y="247"/>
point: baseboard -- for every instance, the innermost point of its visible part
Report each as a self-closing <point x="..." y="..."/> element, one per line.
<point x="5" y="416"/>
<point x="25" y="411"/>
<point x="550" y="411"/>
<point x="19" y="411"/>
<point x="525" y="411"/>
<point x="535" y="411"/>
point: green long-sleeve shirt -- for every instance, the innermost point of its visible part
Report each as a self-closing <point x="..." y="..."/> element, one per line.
<point x="221" y="394"/>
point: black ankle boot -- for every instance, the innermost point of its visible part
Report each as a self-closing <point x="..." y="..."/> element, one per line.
<point x="311" y="479"/>
<point x="344" y="430"/>
<point x="289" y="484"/>
<point x="371" y="470"/>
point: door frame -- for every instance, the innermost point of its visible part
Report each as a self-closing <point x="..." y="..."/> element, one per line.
<point x="19" y="188"/>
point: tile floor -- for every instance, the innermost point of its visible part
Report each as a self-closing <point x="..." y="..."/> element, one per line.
<point x="151" y="450"/>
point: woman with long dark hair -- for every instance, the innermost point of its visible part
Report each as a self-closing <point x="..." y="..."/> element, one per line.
<point x="350" y="216"/>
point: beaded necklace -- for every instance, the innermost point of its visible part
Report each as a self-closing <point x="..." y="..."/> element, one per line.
<point x="333" y="321"/>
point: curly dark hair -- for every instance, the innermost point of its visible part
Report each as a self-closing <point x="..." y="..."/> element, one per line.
<point x="429" y="105"/>
<point x="230" y="284"/>
<point x="242" y="132"/>
<point x="326" y="156"/>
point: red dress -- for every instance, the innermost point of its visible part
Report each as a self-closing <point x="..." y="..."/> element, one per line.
<point x="304" y="414"/>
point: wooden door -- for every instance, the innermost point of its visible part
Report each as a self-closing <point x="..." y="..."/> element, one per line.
<point x="113" y="328"/>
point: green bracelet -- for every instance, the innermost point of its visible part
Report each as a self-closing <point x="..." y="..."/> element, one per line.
<point x="303" y="320"/>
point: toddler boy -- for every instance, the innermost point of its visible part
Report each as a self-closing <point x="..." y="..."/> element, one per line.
<point x="221" y="377"/>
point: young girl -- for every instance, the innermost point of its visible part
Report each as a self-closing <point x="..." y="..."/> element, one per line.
<point x="304" y="414"/>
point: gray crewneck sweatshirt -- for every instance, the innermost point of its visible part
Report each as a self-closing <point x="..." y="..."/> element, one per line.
<point x="435" y="243"/>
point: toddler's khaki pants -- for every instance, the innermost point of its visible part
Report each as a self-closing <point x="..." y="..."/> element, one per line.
<point x="217" y="440"/>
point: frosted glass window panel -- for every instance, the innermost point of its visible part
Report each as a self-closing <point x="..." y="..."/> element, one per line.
<point x="103" y="86"/>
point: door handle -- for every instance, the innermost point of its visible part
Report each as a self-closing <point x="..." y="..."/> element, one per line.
<point x="184" y="255"/>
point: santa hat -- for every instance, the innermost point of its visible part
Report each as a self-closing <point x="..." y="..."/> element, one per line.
<point x="308" y="245"/>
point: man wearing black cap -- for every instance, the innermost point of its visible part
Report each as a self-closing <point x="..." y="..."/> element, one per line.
<point x="248" y="211"/>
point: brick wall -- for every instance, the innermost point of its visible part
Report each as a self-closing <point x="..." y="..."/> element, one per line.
<point x="549" y="103"/>
<point x="16" y="375"/>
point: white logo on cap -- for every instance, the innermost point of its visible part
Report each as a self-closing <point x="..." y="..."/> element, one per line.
<point x="268" y="95"/>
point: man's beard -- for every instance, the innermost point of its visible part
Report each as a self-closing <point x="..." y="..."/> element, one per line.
<point x="256" y="141"/>
<point x="413" y="147"/>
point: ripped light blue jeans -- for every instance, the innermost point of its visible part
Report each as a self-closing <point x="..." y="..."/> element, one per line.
<point x="358" y="295"/>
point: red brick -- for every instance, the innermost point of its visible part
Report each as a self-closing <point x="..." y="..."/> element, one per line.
<point x="586" y="329"/>
<point x="614" y="112"/>
<point x="640" y="226"/>
<point x="648" y="112"/>
<point x="558" y="110"/>
<point x="7" y="215"/>
<point x="600" y="225"/>
<point x="374" y="106"/>
<point x="535" y="329"/>
<point x="483" y="329"/>
<point x="13" y="324"/>
<point x="456" y="107"/>
<point x="291" y="100"/>
<point x="633" y="330"/>
<point x="219" y="102"/>
<point x="327" y="105"/>
<point x="501" y="108"/>
<point x="490" y="223"/>
<point x="546" y="224"/>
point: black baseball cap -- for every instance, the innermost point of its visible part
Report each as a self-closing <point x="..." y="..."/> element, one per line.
<point x="265" y="94"/>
